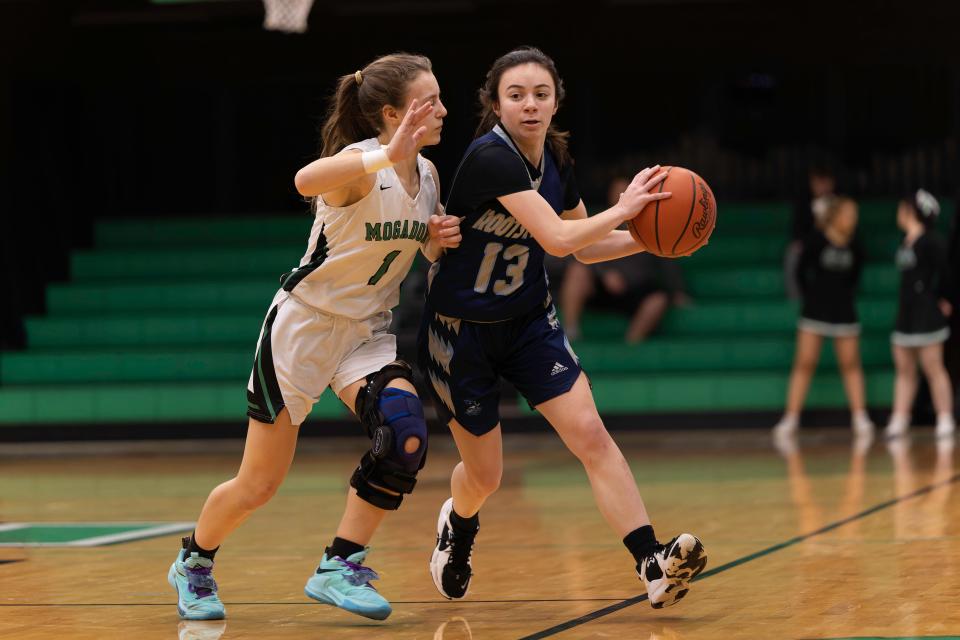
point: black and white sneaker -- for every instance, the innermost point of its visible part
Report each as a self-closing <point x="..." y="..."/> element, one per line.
<point x="668" y="572"/>
<point x="450" y="564"/>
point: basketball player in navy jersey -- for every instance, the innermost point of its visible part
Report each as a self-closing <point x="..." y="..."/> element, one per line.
<point x="489" y="315"/>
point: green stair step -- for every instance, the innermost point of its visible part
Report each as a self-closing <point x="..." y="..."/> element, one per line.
<point x="761" y="391"/>
<point x="233" y="363"/>
<point x="160" y="365"/>
<point x="204" y="232"/>
<point x="88" y="298"/>
<point x="146" y="264"/>
<point x="763" y="250"/>
<point x="213" y="327"/>
<point x="719" y="318"/>
<point x="768" y="282"/>
<point x="111" y="403"/>
<point x="157" y="263"/>
<point x="727" y="251"/>
<point x="284" y="228"/>
<point x="144" y="330"/>
<point x="701" y="355"/>
<point x="772" y="217"/>
<point x="244" y="294"/>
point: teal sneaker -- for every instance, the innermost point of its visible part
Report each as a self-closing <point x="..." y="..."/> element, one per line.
<point x="196" y="589"/>
<point x="201" y="629"/>
<point x="346" y="584"/>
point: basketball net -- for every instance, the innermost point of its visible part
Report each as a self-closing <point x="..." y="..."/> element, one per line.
<point x="288" y="16"/>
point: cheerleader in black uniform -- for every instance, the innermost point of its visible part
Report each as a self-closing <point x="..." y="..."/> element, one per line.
<point x="922" y="325"/>
<point x="828" y="272"/>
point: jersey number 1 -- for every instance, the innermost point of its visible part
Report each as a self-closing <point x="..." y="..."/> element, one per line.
<point x="387" y="261"/>
<point x="514" y="269"/>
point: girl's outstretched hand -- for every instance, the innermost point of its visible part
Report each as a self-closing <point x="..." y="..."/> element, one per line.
<point x="406" y="140"/>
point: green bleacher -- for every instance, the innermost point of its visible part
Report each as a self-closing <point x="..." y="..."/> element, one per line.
<point x="159" y="320"/>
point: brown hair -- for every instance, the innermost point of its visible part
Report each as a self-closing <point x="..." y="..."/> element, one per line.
<point x="488" y="95"/>
<point x="355" y="111"/>
<point x="833" y="206"/>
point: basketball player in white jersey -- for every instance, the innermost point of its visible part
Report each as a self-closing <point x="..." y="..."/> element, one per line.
<point x="376" y="204"/>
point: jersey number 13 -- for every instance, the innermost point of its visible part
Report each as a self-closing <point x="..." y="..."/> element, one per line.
<point x="516" y="257"/>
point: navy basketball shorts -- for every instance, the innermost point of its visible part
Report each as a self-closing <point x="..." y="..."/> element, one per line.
<point x="463" y="362"/>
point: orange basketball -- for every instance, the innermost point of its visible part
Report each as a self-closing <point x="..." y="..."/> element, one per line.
<point x="680" y="224"/>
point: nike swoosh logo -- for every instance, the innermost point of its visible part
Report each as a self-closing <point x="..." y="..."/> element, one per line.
<point x="382" y="188"/>
<point x="442" y="540"/>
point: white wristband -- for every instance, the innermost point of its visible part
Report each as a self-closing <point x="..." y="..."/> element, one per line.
<point x="373" y="161"/>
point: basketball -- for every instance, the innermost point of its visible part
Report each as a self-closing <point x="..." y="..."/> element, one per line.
<point x="680" y="224"/>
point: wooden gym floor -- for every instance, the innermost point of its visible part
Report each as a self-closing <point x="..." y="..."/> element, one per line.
<point x="825" y="541"/>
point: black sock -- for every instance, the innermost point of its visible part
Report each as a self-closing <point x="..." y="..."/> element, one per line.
<point x="190" y="545"/>
<point x="343" y="548"/>
<point x="641" y="542"/>
<point x="467" y="525"/>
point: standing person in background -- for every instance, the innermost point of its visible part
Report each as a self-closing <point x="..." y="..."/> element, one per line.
<point x="641" y="285"/>
<point x="806" y="215"/>
<point x="375" y="199"/>
<point x="922" y="326"/>
<point x="951" y="349"/>
<point x="828" y="273"/>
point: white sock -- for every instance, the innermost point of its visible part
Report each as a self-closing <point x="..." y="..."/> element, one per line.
<point x="945" y="423"/>
<point x="862" y="424"/>
<point x="898" y="423"/>
<point x="790" y="418"/>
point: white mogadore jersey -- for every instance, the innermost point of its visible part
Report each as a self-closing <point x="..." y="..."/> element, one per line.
<point x="358" y="255"/>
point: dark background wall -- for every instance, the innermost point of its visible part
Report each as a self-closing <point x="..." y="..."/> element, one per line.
<point x="116" y="108"/>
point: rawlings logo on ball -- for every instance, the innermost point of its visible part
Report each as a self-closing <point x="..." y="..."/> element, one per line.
<point x="700" y="225"/>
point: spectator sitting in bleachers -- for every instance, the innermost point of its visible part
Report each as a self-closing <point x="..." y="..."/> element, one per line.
<point x="643" y="285"/>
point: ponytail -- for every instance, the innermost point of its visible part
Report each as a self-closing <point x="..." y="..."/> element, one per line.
<point x="355" y="111"/>
<point x="345" y="124"/>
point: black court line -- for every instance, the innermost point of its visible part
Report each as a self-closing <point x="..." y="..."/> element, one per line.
<point x="599" y="613"/>
<point x="299" y="603"/>
<point x="11" y="561"/>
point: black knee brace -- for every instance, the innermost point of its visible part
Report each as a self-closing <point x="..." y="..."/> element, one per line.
<point x="390" y="417"/>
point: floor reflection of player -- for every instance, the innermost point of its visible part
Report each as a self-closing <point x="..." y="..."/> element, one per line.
<point x="810" y="512"/>
<point x="455" y="628"/>
<point x="201" y="629"/>
<point x="846" y="562"/>
<point x="923" y="517"/>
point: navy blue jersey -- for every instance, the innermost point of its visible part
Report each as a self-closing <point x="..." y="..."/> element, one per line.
<point x="497" y="271"/>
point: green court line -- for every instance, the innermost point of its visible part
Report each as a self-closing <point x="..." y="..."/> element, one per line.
<point x="599" y="613"/>
<point x="84" y="534"/>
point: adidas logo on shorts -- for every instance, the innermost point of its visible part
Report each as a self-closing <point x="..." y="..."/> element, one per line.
<point x="557" y="368"/>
